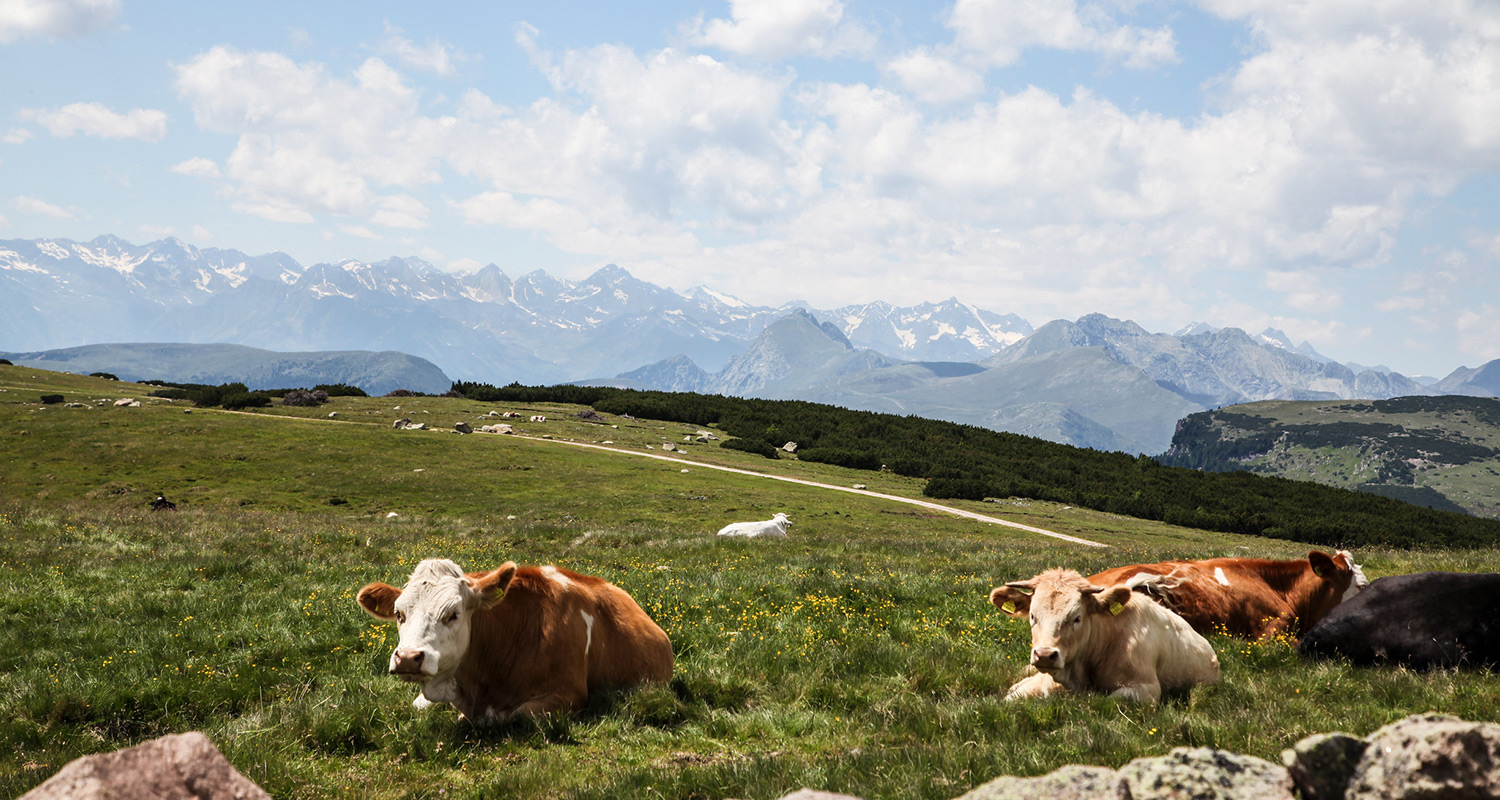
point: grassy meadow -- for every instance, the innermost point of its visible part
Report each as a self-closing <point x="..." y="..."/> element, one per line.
<point x="859" y="655"/>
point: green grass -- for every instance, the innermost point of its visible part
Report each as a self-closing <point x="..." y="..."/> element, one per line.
<point x="859" y="655"/>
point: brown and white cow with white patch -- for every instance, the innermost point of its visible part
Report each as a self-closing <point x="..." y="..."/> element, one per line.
<point x="516" y="640"/>
<point x="1086" y="637"/>
<point x="1249" y="597"/>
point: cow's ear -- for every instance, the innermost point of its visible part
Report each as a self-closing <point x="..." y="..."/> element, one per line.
<point x="1012" y="601"/>
<point x="1109" y="601"/>
<point x="1324" y="566"/>
<point x="491" y="586"/>
<point x="379" y="599"/>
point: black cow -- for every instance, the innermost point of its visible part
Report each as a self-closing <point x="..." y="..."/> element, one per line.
<point x="1425" y="620"/>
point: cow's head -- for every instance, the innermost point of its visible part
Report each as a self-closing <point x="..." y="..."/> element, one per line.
<point x="1337" y="578"/>
<point x="434" y="614"/>
<point x="782" y="519"/>
<point x="1064" y="609"/>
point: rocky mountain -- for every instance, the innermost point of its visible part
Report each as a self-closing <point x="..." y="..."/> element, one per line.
<point x="483" y="326"/>
<point x="1095" y="382"/>
<point x="1441" y="452"/>
<point x="1481" y="382"/>
<point x="213" y="364"/>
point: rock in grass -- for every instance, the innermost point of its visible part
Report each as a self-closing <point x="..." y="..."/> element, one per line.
<point x="1322" y="764"/>
<point x="184" y="766"/>
<point x="1430" y="756"/>
<point x="1073" y="782"/>
<point x="1203" y="773"/>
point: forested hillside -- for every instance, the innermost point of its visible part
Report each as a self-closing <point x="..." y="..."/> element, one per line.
<point x="1442" y="452"/>
<point x="963" y="461"/>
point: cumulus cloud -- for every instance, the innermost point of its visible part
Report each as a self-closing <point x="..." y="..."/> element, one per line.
<point x="933" y="78"/>
<point x="775" y="29"/>
<point x="308" y="141"/>
<point x="996" y="32"/>
<point x="197" y="167"/>
<point x="94" y="119"/>
<point x="433" y="56"/>
<point x="55" y="19"/>
<point x="1479" y="332"/>
<point x="31" y="205"/>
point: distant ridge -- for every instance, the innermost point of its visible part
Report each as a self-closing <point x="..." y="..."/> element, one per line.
<point x="377" y="373"/>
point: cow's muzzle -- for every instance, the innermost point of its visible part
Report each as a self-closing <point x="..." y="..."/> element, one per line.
<point x="407" y="665"/>
<point x="1046" y="658"/>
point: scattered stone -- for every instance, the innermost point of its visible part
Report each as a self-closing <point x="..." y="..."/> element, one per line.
<point x="184" y="766"/>
<point x="401" y="423"/>
<point x="1204" y="773"/>
<point x="127" y="402"/>
<point x="416" y="426"/>
<point x="333" y="415"/>
<point x="1429" y="756"/>
<point x="859" y="486"/>
<point x="1073" y="782"/>
<point x="669" y="447"/>
<point x="706" y="436"/>
<point x="790" y="447"/>
<point x="463" y="427"/>
<point x="1322" y="764"/>
<point x="814" y="794"/>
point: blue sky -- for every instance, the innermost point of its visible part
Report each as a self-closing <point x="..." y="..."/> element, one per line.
<point x="1328" y="167"/>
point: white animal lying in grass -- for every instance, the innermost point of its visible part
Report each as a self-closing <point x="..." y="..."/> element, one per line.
<point x="776" y="526"/>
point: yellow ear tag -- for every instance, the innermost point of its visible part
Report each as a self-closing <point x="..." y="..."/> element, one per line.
<point x="1008" y="607"/>
<point x="1116" y="608"/>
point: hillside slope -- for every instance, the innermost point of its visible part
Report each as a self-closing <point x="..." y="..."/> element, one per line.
<point x="375" y="372"/>
<point x="1441" y="452"/>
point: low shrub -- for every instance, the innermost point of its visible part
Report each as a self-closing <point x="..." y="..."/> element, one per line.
<point x="750" y="446"/>
<point x="50" y="399"/>
<point x="303" y="397"/>
<point x="242" y="400"/>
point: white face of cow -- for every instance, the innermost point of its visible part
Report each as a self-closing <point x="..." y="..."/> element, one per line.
<point x="1063" y="609"/>
<point x="434" y="615"/>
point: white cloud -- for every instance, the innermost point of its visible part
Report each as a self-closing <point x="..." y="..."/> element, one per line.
<point x="16" y="136"/>
<point x="94" y="119"/>
<point x="197" y="167"/>
<point x="359" y="231"/>
<point x="56" y="19"/>
<point x="309" y="142"/>
<point x="159" y="231"/>
<point x="1303" y="291"/>
<point x="1479" y="332"/>
<point x="31" y="205"/>
<point x="201" y="234"/>
<point x="434" y="56"/>
<point x="933" y="78"/>
<point x="775" y="29"/>
<point x="401" y="211"/>
<point x="995" y="32"/>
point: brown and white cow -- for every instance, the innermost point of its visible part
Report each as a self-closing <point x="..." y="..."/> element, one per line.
<point x="516" y="640"/>
<point x="1086" y="637"/>
<point x="1249" y="597"/>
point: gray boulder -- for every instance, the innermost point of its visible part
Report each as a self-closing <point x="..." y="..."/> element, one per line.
<point x="1073" y="782"/>
<point x="1430" y="756"/>
<point x="183" y="766"/>
<point x="1203" y="773"/>
<point x="1322" y="764"/>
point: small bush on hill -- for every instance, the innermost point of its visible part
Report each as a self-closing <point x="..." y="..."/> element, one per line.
<point x="302" y="397"/>
<point x="6" y="362"/>
<point x="49" y="399"/>
<point x="340" y="390"/>
<point x="750" y="446"/>
<point x="853" y="459"/>
<point x="105" y="375"/>
<point x="241" y="400"/>
<point x="402" y="393"/>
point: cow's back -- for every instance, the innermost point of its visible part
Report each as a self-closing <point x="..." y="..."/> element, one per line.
<point x="1424" y="620"/>
<point x="629" y="647"/>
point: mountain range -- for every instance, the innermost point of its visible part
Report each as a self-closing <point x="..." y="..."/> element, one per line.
<point x="1096" y="381"/>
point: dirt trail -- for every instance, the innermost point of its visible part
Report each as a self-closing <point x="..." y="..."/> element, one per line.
<point x="867" y="493"/>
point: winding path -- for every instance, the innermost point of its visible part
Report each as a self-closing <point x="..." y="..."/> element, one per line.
<point x="867" y="493"/>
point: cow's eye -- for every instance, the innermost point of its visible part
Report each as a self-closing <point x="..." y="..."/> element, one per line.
<point x="1078" y="619"/>
<point x="400" y="617"/>
<point x="452" y="618"/>
<point x="1033" y="621"/>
